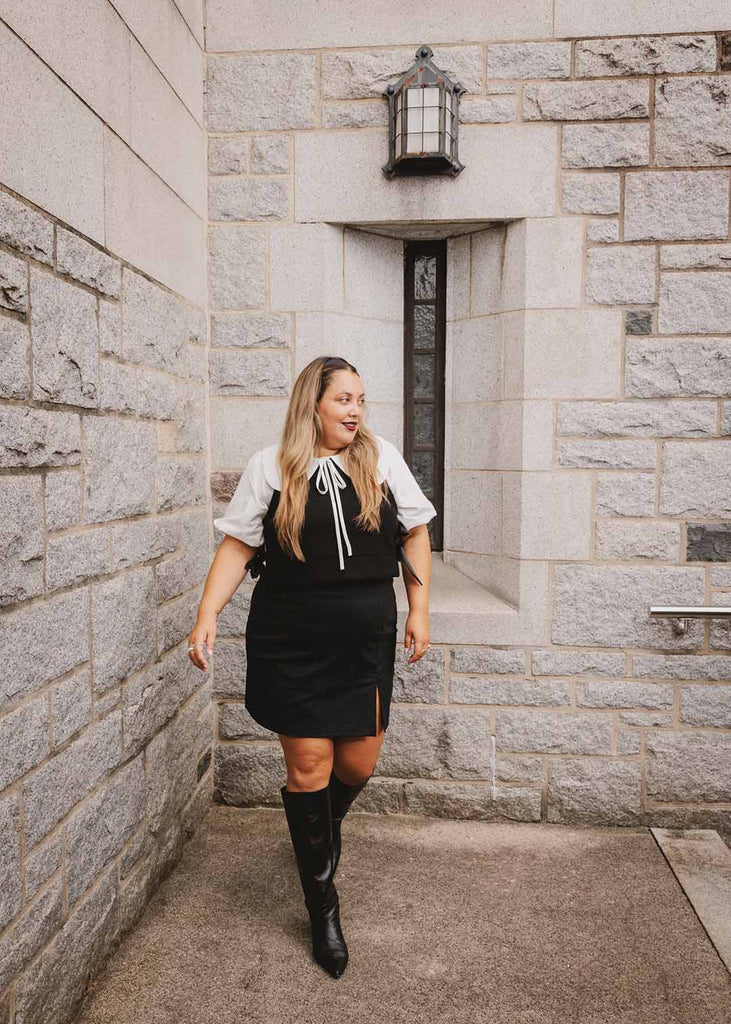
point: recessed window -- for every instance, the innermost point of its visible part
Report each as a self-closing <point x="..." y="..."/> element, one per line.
<point x="425" y="295"/>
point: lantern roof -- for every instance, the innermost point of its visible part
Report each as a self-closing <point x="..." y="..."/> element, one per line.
<point x="424" y="72"/>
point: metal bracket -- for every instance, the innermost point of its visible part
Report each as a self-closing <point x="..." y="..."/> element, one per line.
<point x="684" y="614"/>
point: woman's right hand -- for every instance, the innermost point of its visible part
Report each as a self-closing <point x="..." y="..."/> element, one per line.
<point x="204" y="632"/>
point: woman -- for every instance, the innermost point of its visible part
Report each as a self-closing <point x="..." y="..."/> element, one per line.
<point x="318" y="519"/>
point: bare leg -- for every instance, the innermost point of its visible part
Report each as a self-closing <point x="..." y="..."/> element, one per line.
<point x="309" y="762"/>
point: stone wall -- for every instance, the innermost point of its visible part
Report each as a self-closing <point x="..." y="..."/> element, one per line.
<point x="105" y="725"/>
<point x="589" y="364"/>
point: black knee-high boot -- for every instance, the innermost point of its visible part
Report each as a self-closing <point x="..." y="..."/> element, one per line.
<point x="310" y="827"/>
<point x="342" y="795"/>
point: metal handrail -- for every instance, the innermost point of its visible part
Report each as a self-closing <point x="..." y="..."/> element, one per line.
<point x="687" y="612"/>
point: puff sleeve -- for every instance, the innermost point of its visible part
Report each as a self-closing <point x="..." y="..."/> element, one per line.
<point x="413" y="506"/>
<point x="243" y="515"/>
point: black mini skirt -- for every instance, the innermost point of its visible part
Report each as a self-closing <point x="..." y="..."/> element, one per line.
<point x="315" y="656"/>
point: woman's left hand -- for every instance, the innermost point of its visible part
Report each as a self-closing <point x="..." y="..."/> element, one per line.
<point x="417" y="631"/>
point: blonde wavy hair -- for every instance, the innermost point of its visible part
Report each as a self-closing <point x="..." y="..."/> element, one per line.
<point x="301" y="440"/>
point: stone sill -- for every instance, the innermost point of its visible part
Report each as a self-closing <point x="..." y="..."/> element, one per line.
<point x="460" y="610"/>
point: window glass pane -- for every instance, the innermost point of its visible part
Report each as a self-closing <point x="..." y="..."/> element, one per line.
<point x="425" y="277"/>
<point x="424" y="423"/>
<point x="424" y="375"/>
<point x="424" y="325"/>
<point x="423" y="470"/>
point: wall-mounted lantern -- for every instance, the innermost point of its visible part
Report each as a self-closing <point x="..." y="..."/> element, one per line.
<point x="423" y="121"/>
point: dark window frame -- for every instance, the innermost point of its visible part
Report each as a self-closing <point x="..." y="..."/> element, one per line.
<point x="434" y="488"/>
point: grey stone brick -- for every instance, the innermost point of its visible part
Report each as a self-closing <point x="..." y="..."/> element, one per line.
<point x="645" y="55"/>
<point x="255" y="92"/>
<point x="695" y="479"/>
<point x="157" y="325"/>
<point x="553" y="732"/>
<point x="24" y="740"/>
<point x="251" y="330"/>
<point x="590" y="193"/>
<point x="509" y="691"/>
<point x="65" y="779"/>
<point x="131" y="389"/>
<point x="357" y="74"/>
<point x="14" y="358"/>
<point x="422" y="682"/>
<point x="695" y="303"/>
<point x="145" y="539"/>
<point x="270" y="155"/>
<point x="176" y="575"/>
<point x="43" y="641"/>
<point x="34" y="929"/>
<point x="228" y="156"/>
<point x="529" y="60"/>
<point x="682" y="666"/>
<point x="355" y="113"/>
<point x="675" y="204"/>
<point x="253" y="373"/>
<point x="593" y="792"/>
<point x="628" y="742"/>
<point x="602" y="229"/>
<point x="692" y="125"/>
<point x="84" y="262"/>
<point x="708" y="256"/>
<point x="172" y="761"/>
<point x="98" y="830"/>
<point x="43" y="861"/>
<point x="174" y="620"/>
<point x="677" y="367"/>
<point x="607" y="454"/>
<point x="708" y="542"/>
<point x="465" y="800"/>
<point x="180" y="482"/>
<point x="54" y="984"/>
<point x="120" y="468"/>
<point x="608" y="605"/>
<point x="605" y="145"/>
<point x="706" y="705"/>
<point x="21" y="539"/>
<point x="520" y="769"/>
<point x="71" y="706"/>
<point x="638" y="321"/>
<point x="248" y="199"/>
<point x="65" y="342"/>
<point x="235" y="723"/>
<point x="63" y="499"/>
<point x="585" y="101"/>
<point x="437" y="743"/>
<point x="122" y="617"/>
<point x="110" y="329"/>
<point x="152" y="698"/>
<point x="629" y="540"/>
<point x="618" y="693"/>
<point x="13" y="283"/>
<point x="11" y="892"/>
<point x="237" y="267"/>
<point x="622" y="273"/>
<point x="488" y="110"/>
<point x="577" y="663"/>
<point x="637" y="419"/>
<point x="76" y="557"/>
<point x="25" y="229"/>
<point x="688" y="766"/>
<point x="229" y="672"/>
<point x="625" y="494"/>
<point x="487" y="660"/>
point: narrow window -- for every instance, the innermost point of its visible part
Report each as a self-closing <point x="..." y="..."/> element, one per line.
<point x="425" y="293"/>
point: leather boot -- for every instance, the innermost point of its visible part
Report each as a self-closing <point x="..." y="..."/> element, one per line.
<point x="342" y="795"/>
<point x="310" y="827"/>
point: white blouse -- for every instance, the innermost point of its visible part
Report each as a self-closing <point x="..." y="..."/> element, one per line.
<point x="244" y="514"/>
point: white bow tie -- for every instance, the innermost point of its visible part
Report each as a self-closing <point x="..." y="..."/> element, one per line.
<point x="329" y="475"/>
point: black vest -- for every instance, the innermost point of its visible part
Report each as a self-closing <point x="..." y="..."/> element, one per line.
<point x="374" y="556"/>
